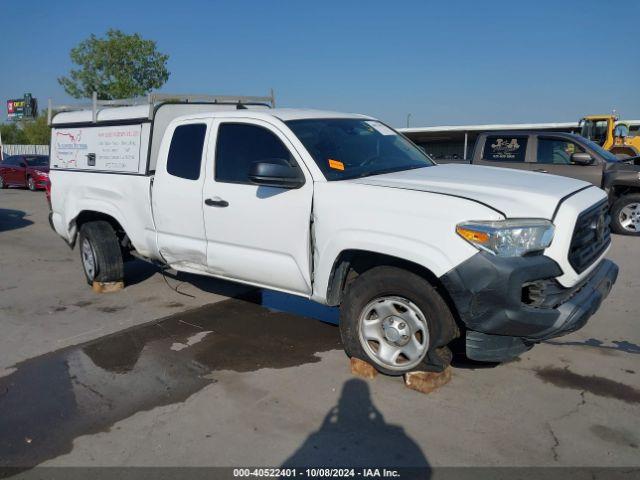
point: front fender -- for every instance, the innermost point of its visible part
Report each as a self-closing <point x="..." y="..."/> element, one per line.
<point x="414" y="226"/>
<point x="430" y="256"/>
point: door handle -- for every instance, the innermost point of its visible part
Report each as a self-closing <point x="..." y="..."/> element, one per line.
<point x="541" y="170"/>
<point x="216" y="202"/>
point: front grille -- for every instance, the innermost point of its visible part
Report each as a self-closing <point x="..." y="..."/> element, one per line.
<point x="591" y="236"/>
<point x="548" y="293"/>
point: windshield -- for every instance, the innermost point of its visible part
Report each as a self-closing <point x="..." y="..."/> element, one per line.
<point x="595" y="130"/>
<point x="38" y="161"/>
<point x="348" y="148"/>
<point x="606" y="154"/>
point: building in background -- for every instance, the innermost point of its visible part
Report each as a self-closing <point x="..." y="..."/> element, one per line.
<point x="455" y="142"/>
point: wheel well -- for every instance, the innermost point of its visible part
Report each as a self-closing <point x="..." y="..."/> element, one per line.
<point x="626" y="150"/>
<point x="92" y="216"/>
<point x="351" y="263"/>
<point x="618" y="191"/>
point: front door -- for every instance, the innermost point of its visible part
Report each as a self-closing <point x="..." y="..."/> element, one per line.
<point x="554" y="156"/>
<point x="256" y="234"/>
<point x="176" y="196"/>
<point x="21" y="172"/>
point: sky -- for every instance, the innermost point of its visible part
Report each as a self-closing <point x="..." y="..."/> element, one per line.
<point x="443" y="62"/>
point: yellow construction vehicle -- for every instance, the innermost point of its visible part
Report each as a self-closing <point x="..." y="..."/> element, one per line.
<point x="611" y="134"/>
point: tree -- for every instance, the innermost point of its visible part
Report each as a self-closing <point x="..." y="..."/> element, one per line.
<point x="117" y="66"/>
<point x="27" y="132"/>
<point x="37" y="131"/>
<point x="12" y="135"/>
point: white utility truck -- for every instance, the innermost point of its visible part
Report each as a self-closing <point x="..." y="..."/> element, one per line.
<point x="338" y="208"/>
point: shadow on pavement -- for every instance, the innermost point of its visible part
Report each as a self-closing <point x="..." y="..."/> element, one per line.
<point x="618" y="345"/>
<point x="354" y="434"/>
<point x="50" y="400"/>
<point x="12" y="219"/>
<point x="137" y="271"/>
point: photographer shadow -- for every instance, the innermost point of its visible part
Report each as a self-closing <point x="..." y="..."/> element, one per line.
<point x="355" y="434"/>
<point x="13" y="219"/>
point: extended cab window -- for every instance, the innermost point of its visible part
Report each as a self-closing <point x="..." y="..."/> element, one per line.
<point x="240" y="145"/>
<point x="185" y="152"/>
<point x="556" y="151"/>
<point x="505" y="148"/>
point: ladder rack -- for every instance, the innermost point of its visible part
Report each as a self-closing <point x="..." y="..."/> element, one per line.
<point x="154" y="99"/>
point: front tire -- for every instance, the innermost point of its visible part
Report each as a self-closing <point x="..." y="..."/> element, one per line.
<point x="31" y="184"/>
<point x="625" y="215"/>
<point x="100" y="253"/>
<point x="396" y="321"/>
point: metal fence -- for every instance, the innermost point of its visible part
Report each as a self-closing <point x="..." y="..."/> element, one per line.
<point x="25" y="149"/>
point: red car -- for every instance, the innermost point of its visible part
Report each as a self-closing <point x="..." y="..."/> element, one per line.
<point x="30" y="171"/>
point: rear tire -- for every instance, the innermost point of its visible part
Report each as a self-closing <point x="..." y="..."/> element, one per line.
<point x="31" y="184"/>
<point x="396" y="321"/>
<point x="100" y="253"/>
<point x="2" y="184"/>
<point x="625" y="215"/>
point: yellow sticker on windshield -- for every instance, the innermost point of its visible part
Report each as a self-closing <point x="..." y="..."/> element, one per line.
<point x="336" y="165"/>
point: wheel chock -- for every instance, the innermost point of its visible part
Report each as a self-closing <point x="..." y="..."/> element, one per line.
<point x="107" y="287"/>
<point x="427" y="382"/>
<point x="363" y="369"/>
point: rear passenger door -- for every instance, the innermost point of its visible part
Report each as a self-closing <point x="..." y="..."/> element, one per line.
<point x="7" y="170"/>
<point x="256" y="234"/>
<point x="553" y="155"/>
<point x="14" y="171"/>
<point x="176" y="195"/>
<point x="509" y="151"/>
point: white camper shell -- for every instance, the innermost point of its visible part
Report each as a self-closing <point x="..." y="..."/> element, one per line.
<point x="123" y="136"/>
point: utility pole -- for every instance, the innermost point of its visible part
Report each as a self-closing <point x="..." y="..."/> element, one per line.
<point x="408" y="118"/>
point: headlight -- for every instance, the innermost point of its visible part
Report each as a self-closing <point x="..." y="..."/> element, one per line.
<point x="41" y="173"/>
<point x="508" y="238"/>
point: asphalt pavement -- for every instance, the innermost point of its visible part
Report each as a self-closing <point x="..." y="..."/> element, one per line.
<point x="180" y="370"/>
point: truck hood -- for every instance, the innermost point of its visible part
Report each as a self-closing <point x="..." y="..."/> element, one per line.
<point x="516" y="194"/>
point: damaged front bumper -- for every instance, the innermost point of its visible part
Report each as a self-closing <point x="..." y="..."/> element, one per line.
<point x="509" y="304"/>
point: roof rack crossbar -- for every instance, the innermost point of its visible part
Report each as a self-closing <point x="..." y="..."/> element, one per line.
<point x="152" y="99"/>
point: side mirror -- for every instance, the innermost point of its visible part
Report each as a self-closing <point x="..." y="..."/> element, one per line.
<point x="275" y="172"/>
<point x="580" y="158"/>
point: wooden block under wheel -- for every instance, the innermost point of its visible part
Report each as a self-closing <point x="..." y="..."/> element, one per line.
<point x="362" y="368"/>
<point x="107" y="287"/>
<point x="427" y="382"/>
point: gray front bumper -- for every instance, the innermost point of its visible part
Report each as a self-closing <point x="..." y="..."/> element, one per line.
<point x="488" y="293"/>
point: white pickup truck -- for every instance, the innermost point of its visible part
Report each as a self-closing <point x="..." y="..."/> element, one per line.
<point x="338" y="208"/>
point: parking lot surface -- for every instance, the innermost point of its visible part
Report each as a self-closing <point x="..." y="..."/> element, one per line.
<point x="189" y="371"/>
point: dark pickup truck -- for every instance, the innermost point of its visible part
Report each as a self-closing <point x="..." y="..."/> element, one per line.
<point x="571" y="156"/>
